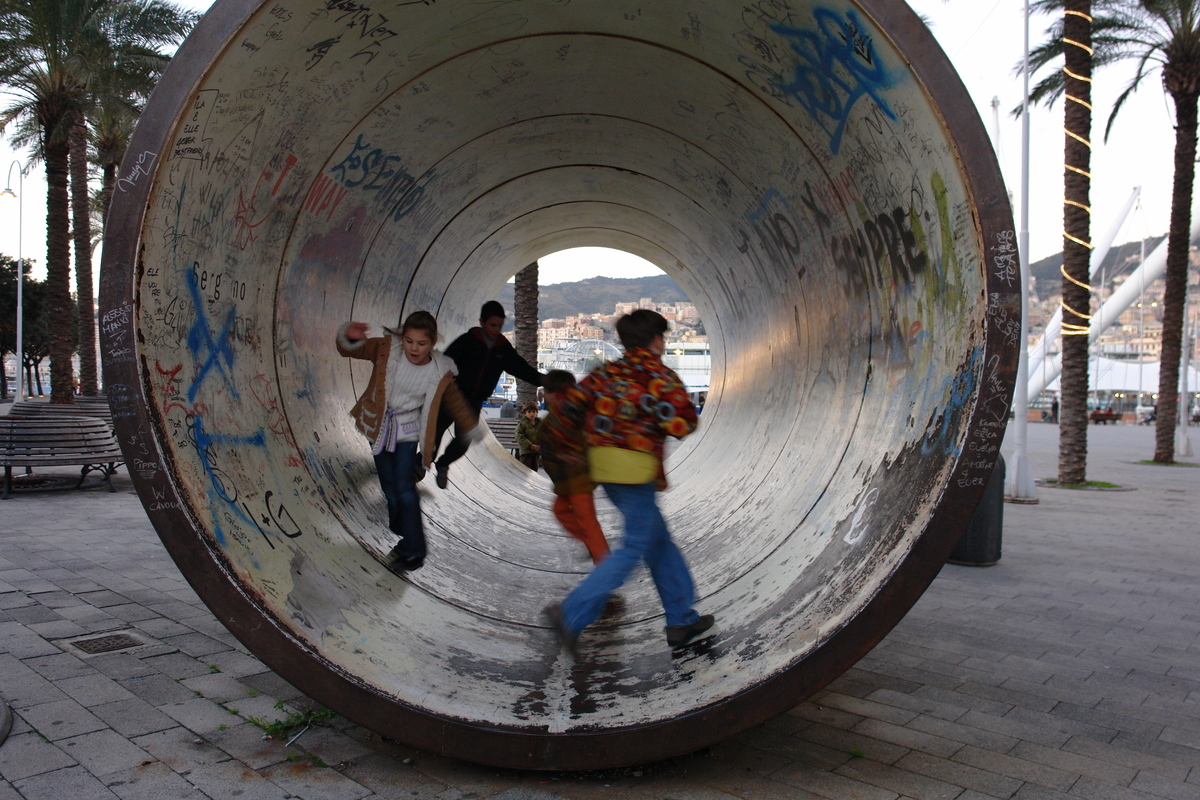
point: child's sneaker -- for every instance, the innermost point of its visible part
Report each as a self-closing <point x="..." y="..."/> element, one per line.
<point x="399" y="563"/>
<point x="679" y="635"/>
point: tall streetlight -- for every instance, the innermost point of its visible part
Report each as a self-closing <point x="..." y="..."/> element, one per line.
<point x="8" y="192"/>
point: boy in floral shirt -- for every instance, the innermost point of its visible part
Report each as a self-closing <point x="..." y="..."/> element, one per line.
<point x="635" y="403"/>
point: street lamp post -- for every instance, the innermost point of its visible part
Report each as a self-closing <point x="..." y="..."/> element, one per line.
<point x="8" y="192"/>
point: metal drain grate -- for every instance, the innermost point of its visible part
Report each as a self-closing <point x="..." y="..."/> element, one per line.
<point x="107" y="644"/>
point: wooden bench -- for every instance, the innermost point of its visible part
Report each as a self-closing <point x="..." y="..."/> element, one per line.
<point x="1104" y="417"/>
<point x="82" y="407"/>
<point x="49" y="441"/>
<point x="505" y="431"/>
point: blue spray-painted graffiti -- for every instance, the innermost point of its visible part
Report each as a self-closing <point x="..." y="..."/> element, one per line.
<point x="837" y="66"/>
<point x="217" y="352"/>
<point x="200" y="338"/>
<point x="268" y="515"/>
<point x="222" y="486"/>
<point x="367" y="168"/>
<point x="946" y="418"/>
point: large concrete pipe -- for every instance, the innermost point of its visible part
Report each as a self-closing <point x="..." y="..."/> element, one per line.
<point x="812" y="173"/>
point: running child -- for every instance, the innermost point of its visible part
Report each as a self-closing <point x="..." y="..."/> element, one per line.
<point x="410" y="383"/>
<point x="634" y="403"/>
<point x="564" y="457"/>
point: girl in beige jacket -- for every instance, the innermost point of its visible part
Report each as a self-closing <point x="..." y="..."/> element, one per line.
<point x="398" y="411"/>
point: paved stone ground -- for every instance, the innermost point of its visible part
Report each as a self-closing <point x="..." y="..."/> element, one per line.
<point x="1069" y="670"/>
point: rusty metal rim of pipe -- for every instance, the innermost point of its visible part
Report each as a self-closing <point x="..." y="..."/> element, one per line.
<point x="691" y="729"/>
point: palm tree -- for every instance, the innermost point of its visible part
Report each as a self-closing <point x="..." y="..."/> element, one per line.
<point x="58" y="58"/>
<point x="1071" y="38"/>
<point x="1158" y="35"/>
<point x="37" y="64"/>
<point x="525" y="315"/>
<point x="130" y="64"/>
<point x="111" y="127"/>
<point x="137" y="30"/>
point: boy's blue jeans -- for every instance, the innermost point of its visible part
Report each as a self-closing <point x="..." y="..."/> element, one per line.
<point x="403" y="502"/>
<point x="646" y="539"/>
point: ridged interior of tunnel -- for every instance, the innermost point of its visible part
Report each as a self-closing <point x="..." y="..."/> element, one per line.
<point x="810" y="173"/>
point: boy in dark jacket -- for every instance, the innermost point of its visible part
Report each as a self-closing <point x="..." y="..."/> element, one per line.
<point x="633" y="405"/>
<point x="480" y="354"/>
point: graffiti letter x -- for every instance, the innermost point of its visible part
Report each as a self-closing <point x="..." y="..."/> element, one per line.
<point x="201" y="337"/>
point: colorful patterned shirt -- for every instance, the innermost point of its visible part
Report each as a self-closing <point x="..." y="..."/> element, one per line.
<point x="636" y="402"/>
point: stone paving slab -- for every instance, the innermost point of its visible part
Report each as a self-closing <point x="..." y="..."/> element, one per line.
<point x="1069" y="670"/>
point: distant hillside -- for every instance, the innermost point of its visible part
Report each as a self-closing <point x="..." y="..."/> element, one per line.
<point x="1117" y="262"/>
<point x="596" y="295"/>
<point x="599" y="295"/>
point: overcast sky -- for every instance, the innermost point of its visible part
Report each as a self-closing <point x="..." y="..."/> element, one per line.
<point x="984" y="40"/>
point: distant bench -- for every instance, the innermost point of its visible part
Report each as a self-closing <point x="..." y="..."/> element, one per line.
<point x="1104" y="417"/>
<point x="82" y="407"/>
<point x="505" y="431"/>
<point x="52" y="441"/>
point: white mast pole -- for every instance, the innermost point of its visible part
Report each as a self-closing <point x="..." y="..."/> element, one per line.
<point x="1019" y="485"/>
<point x="1183" y="443"/>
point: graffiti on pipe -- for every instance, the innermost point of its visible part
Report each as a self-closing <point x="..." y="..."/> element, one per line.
<point x="826" y="71"/>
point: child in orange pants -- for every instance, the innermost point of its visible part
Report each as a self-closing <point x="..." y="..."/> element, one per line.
<point x="564" y="457"/>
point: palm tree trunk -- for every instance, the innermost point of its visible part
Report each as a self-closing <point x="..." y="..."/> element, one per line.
<point x="58" y="272"/>
<point x="1178" y="249"/>
<point x="1076" y="289"/>
<point x="82" y="229"/>
<point x="108" y="183"/>
<point x="525" y="314"/>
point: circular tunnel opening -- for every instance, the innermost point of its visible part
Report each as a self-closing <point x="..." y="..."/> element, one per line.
<point x="582" y="292"/>
<point x="812" y="175"/>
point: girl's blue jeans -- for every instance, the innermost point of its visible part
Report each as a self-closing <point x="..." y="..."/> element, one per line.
<point x="404" y="504"/>
<point x="646" y="539"/>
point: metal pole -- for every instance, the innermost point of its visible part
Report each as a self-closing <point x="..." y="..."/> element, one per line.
<point x="20" y="195"/>
<point x="1021" y="488"/>
<point x="1142" y="323"/>
<point x="21" y="387"/>
<point x="1183" y="443"/>
<point x="1097" y="345"/>
<point x="996" y="128"/>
